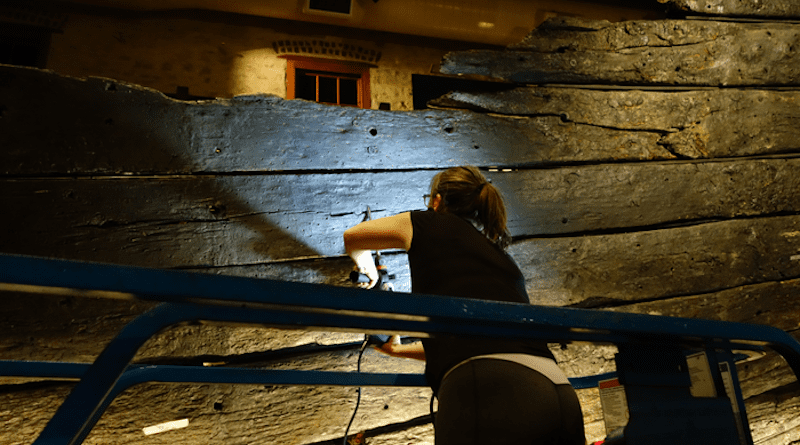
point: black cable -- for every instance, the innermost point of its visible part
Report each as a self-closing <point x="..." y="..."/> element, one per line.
<point x="433" y="415"/>
<point x="358" y="398"/>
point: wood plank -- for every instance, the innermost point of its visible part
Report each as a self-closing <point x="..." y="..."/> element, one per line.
<point x="775" y="303"/>
<point x="709" y="123"/>
<point x="236" y="414"/>
<point x="200" y="221"/>
<point x="579" y="270"/>
<point x="778" y="9"/>
<point x="666" y="52"/>
<point x="774" y="417"/>
<point x="115" y="128"/>
<point x="119" y="128"/>
<point x="230" y="220"/>
<point x="603" y="270"/>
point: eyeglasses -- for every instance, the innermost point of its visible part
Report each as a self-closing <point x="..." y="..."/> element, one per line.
<point x="426" y="198"/>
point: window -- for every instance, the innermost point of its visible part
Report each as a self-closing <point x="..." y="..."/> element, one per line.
<point x="328" y="81"/>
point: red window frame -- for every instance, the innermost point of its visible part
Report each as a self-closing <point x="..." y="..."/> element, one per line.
<point x="294" y="63"/>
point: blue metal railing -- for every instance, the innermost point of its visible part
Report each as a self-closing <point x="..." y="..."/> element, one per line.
<point x="189" y="297"/>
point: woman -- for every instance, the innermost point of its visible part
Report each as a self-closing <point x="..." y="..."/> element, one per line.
<point x="489" y="391"/>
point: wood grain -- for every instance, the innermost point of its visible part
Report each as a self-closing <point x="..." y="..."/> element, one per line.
<point x="230" y="220"/>
<point x="125" y="129"/>
<point x="663" y="52"/>
<point x="776" y="9"/>
<point x="611" y="269"/>
<point x="706" y="123"/>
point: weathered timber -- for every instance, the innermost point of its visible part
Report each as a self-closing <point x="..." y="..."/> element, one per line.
<point x="708" y="123"/>
<point x="775" y="304"/>
<point x="57" y="328"/>
<point x="774" y="417"/>
<point x="668" y="52"/>
<point x="201" y="221"/>
<point x="646" y="265"/>
<point x="101" y="126"/>
<point x="231" y="414"/>
<point x="196" y="221"/>
<point x="48" y="328"/>
<point x="778" y="9"/>
<point x="246" y="414"/>
<point x="117" y="128"/>
<point x="76" y="329"/>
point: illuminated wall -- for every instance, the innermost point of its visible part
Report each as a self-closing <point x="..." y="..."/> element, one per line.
<point x="223" y="58"/>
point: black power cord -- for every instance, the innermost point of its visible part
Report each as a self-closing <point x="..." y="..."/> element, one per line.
<point x="382" y="284"/>
<point x="358" y="398"/>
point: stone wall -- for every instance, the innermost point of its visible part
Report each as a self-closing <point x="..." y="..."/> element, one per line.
<point x="225" y="55"/>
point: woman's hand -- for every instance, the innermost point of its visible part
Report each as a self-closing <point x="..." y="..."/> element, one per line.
<point x="395" y="348"/>
<point x="391" y="345"/>
<point x="365" y="265"/>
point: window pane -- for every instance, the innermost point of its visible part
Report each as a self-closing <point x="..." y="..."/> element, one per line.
<point x="305" y="86"/>
<point x="327" y="90"/>
<point x="328" y="86"/>
<point x="348" y="89"/>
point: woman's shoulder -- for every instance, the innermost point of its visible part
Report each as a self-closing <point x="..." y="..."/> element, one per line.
<point x="432" y="219"/>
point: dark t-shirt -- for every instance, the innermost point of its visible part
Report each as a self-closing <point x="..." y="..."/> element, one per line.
<point x="449" y="256"/>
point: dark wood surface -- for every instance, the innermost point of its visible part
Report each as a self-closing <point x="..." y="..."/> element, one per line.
<point x="700" y="123"/>
<point x="230" y="220"/>
<point x="677" y="202"/>
<point x="663" y="52"/>
<point x="773" y="9"/>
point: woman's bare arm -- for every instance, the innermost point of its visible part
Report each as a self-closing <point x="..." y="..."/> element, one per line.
<point x="391" y="232"/>
<point x="394" y="348"/>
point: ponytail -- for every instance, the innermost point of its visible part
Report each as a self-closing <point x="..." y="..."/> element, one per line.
<point x="492" y="215"/>
<point x="467" y="193"/>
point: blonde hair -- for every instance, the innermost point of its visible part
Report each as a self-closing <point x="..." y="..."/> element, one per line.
<point x="467" y="193"/>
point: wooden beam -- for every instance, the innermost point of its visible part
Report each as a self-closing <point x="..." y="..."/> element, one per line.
<point x="778" y="9"/>
<point x="224" y="413"/>
<point x="188" y="221"/>
<point x="706" y="123"/>
<point x="603" y="270"/>
<point x="100" y="126"/>
<point x="115" y="128"/>
<point x="666" y="52"/>
<point x="774" y="417"/>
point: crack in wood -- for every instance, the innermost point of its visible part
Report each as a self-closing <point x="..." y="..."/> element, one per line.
<point x="255" y="359"/>
<point x="382" y="430"/>
<point x="112" y="224"/>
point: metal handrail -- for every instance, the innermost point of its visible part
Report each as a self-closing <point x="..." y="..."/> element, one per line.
<point x="190" y="296"/>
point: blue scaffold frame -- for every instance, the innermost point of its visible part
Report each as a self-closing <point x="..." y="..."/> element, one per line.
<point x="190" y="297"/>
